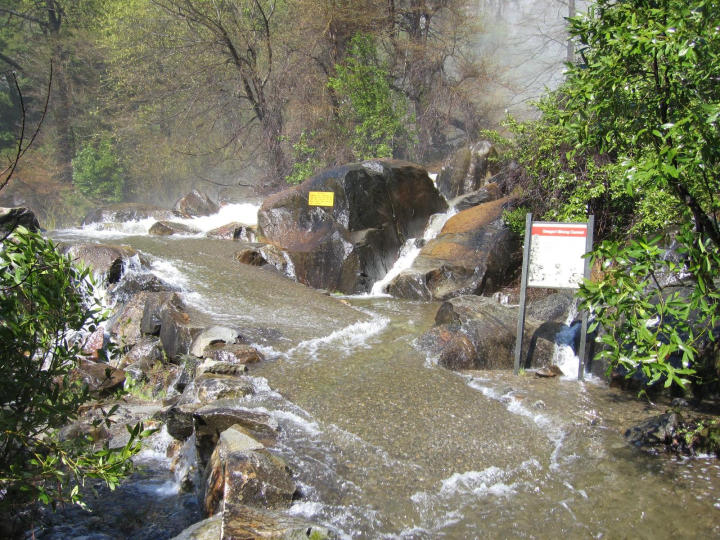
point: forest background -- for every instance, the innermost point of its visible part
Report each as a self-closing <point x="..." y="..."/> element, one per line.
<point x="237" y="97"/>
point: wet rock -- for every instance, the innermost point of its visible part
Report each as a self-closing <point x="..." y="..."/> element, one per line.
<point x="127" y="212"/>
<point x="147" y="351"/>
<point x="101" y="378"/>
<point x="549" y="372"/>
<point x="207" y="529"/>
<point x="179" y="421"/>
<point x="251" y="256"/>
<point x="177" y="331"/>
<point x="233" y="354"/>
<point x="212" y="419"/>
<point x="475" y="253"/>
<point x="459" y="353"/>
<point x="491" y="192"/>
<point x="378" y="205"/>
<point x="554" y="307"/>
<point x="212" y="336"/>
<point x="655" y="432"/>
<point x="107" y="261"/>
<point x="211" y="387"/>
<point x="10" y="218"/>
<point x="234" y="231"/>
<point x="478" y="333"/>
<point x="155" y="305"/>
<point x="196" y="203"/>
<point x="168" y="228"/>
<point x="467" y="170"/>
<point x="134" y="283"/>
<point x="241" y="522"/>
<point x="125" y="325"/>
<point x="221" y="368"/>
<point x="242" y="472"/>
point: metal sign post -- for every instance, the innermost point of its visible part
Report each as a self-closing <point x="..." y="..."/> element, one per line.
<point x="553" y="257"/>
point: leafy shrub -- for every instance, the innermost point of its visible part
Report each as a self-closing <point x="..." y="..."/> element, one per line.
<point x="97" y="171"/>
<point x="374" y="113"/>
<point x="43" y="306"/>
<point x="305" y="160"/>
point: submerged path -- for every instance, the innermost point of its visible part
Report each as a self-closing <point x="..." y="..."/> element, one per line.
<point x="384" y="443"/>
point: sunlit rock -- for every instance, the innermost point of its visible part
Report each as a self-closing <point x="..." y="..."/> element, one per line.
<point x="107" y="261"/>
<point x="213" y="335"/>
<point x="475" y="253"/>
<point x="242" y="472"/>
<point x="241" y="521"/>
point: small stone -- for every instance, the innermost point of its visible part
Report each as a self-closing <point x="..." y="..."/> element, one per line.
<point x="549" y="371"/>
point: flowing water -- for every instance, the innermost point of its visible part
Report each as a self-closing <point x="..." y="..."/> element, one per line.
<point x="386" y="444"/>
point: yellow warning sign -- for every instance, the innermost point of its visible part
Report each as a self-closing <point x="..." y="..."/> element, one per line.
<point x="321" y="198"/>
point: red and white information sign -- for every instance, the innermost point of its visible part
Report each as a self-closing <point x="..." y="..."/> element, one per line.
<point x="556" y="255"/>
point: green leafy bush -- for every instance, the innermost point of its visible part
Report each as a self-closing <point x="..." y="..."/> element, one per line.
<point x="97" y="171"/>
<point x="374" y="113"/>
<point x="43" y="305"/>
<point x="305" y="159"/>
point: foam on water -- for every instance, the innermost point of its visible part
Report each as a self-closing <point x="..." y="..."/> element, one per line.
<point x="348" y="338"/>
<point x="546" y="424"/>
<point x="244" y="213"/>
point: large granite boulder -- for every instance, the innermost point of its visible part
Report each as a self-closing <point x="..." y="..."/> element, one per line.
<point x="107" y="261"/>
<point x="475" y="253"/>
<point x="196" y="203"/>
<point x="128" y="212"/>
<point x="467" y="170"/>
<point x="10" y="218"/>
<point x="475" y="332"/>
<point x="346" y="248"/>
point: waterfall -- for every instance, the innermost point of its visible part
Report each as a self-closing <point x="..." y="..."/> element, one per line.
<point x="410" y="250"/>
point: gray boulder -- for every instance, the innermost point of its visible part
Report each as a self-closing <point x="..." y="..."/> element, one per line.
<point x="377" y="205"/>
<point x="168" y="228"/>
<point x="467" y="170"/>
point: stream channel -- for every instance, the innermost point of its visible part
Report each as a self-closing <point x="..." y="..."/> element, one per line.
<point x="386" y="444"/>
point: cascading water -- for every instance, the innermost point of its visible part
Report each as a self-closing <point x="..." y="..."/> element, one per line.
<point x="384" y="444"/>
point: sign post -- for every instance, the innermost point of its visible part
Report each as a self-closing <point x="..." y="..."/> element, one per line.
<point x="553" y="258"/>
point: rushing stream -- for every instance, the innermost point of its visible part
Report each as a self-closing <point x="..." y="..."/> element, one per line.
<point x="386" y="444"/>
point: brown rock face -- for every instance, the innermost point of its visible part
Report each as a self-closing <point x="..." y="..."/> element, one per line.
<point x="346" y="248"/>
<point x="475" y="253"/>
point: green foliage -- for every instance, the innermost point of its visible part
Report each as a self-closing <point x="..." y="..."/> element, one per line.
<point x="645" y="93"/>
<point x="43" y="307"/>
<point x="375" y="114"/>
<point x="651" y="327"/>
<point x="97" y="171"/>
<point x="305" y="159"/>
